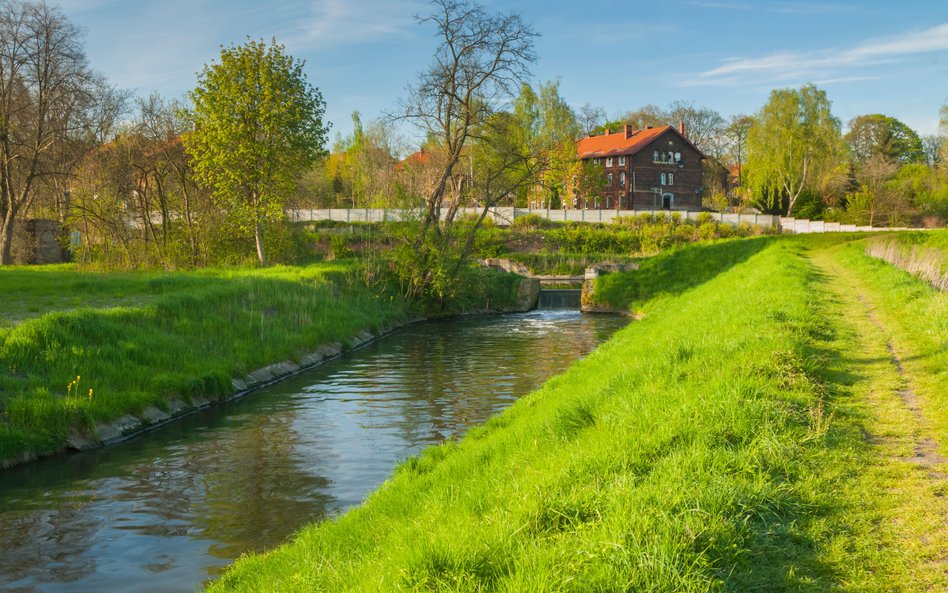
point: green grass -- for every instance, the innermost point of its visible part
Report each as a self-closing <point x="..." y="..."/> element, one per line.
<point x="716" y="445"/>
<point x="673" y="272"/>
<point x="143" y="339"/>
<point x="916" y="317"/>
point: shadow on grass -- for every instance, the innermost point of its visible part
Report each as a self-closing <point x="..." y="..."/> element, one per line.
<point x="676" y="271"/>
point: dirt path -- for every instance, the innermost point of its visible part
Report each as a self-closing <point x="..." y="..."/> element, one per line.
<point x="856" y="298"/>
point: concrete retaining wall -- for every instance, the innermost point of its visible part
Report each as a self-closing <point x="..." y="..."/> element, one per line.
<point x="505" y="215"/>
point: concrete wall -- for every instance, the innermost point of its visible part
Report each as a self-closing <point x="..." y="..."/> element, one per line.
<point x="36" y="241"/>
<point x="506" y="215"/>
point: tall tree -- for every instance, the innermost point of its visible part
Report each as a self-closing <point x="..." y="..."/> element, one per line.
<point x="547" y="127"/>
<point x="591" y="117"/>
<point x="257" y="125"/>
<point x="479" y="64"/>
<point x="737" y="132"/>
<point x="45" y="86"/>
<point x="932" y="145"/>
<point x="794" y="142"/>
<point x="880" y="135"/>
<point x="704" y="127"/>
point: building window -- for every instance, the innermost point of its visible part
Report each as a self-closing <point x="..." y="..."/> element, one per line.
<point x="622" y="178"/>
<point x="609" y="161"/>
<point x="609" y="202"/>
<point x="621" y="161"/>
<point x="664" y="179"/>
<point x="609" y="180"/>
<point x="671" y="179"/>
<point x="597" y="202"/>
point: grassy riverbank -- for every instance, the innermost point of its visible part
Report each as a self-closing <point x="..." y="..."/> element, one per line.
<point x="115" y="344"/>
<point x="718" y="444"/>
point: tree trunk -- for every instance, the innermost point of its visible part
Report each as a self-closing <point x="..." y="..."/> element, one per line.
<point x="6" y="245"/>
<point x="258" y="237"/>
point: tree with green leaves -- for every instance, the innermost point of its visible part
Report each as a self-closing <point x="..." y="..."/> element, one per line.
<point x="257" y="125"/>
<point x="880" y="135"/>
<point x="795" y="140"/>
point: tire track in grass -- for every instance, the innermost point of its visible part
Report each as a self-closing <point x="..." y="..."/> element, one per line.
<point x="926" y="450"/>
<point x="905" y="482"/>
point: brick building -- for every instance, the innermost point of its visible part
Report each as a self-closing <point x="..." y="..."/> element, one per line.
<point x="655" y="168"/>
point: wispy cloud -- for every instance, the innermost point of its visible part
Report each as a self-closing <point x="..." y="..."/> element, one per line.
<point x="345" y="22"/>
<point x="833" y="64"/>
<point x="778" y="7"/>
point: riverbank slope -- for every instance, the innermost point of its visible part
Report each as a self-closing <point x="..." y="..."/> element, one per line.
<point x="119" y="352"/>
<point x="727" y="441"/>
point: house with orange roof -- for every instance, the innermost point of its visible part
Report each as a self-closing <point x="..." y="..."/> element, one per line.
<point x="650" y="169"/>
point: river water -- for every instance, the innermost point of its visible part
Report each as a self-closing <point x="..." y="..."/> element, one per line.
<point x="170" y="509"/>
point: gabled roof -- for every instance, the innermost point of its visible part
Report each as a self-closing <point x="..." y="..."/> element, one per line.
<point x="625" y="142"/>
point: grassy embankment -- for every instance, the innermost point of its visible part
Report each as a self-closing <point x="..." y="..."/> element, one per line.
<point x="135" y="340"/>
<point x="718" y="444"/>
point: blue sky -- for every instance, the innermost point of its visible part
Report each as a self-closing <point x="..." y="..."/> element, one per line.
<point x="878" y="56"/>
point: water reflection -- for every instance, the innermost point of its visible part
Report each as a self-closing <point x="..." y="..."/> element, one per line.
<point x="165" y="512"/>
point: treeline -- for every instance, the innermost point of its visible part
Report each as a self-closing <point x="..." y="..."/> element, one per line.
<point x="205" y="180"/>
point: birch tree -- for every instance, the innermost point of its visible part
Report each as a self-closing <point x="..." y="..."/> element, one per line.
<point x="794" y="141"/>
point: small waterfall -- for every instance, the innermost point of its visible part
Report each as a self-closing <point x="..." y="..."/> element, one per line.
<point x="560" y="298"/>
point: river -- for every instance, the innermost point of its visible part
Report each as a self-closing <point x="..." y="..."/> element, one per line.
<point x="168" y="510"/>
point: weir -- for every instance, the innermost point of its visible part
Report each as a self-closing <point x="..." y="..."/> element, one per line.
<point x="560" y="298"/>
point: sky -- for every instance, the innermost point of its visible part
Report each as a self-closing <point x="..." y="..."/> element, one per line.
<point x="879" y="56"/>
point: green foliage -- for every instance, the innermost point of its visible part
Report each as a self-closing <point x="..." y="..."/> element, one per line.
<point x="794" y="140"/>
<point x="257" y="125"/>
<point x="881" y="135"/>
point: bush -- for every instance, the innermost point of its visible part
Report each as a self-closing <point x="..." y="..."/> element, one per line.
<point x="530" y="222"/>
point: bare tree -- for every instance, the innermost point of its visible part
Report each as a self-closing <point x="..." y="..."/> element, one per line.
<point x="736" y="133"/>
<point x="703" y="126"/>
<point x="479" y="64"/>
<point x="45" y="83"/>
<point x="591" y="117"/>
<point x="933" y="147"/>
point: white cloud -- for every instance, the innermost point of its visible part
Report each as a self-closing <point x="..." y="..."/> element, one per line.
<point x="345" y="22"/>
<point x="833" y="64"/>
<point x="778" y="7"/>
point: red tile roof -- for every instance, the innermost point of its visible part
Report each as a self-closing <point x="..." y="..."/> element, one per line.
<point x="623" y="142"/>
<point x="418" y="158"/>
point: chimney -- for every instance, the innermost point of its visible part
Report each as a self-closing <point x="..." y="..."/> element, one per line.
<point x="628" y="131"/>
<point x="608" y="131"/>
<point x="648" y="127"/>
<point x="681" y="127"/>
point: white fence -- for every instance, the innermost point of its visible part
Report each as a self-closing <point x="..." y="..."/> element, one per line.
<point x="506" y="215"/>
